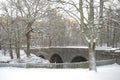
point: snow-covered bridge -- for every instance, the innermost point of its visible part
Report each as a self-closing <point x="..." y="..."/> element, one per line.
<point x="68" y="54"/>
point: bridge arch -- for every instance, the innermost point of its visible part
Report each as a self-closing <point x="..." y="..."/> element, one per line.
<point x="42" y="56"/>
<point x="55" y="58"/>
<point x="79" y="59"/>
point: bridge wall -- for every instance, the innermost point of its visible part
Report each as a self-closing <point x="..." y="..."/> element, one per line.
<point x="68" y="54"/>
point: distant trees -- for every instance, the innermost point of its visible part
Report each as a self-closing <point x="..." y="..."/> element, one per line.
<point x="19" y="14"/>
<point x="56" y="30"/>
<point x="111" y="25"/>
<point x="29" y="11"/>
<point x="7" y="23"/>
<point x="11" y="29"/>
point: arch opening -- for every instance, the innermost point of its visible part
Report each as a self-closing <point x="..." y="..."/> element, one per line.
<point x="56" y="59"/>
<point x="42" y="56"/>
<point x="79" y="59"/>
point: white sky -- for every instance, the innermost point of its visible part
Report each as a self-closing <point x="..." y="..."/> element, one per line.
<point x="112" y="3"/>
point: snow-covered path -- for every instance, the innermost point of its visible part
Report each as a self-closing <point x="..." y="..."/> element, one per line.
<point x="109" y="72"/>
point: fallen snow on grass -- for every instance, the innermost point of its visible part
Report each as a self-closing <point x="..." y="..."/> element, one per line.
<point x="109" y="72"/>
<point x="4" y="58"/>
<point x="24" y="59"/>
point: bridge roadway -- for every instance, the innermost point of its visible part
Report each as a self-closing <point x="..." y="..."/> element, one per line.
<point x="68" y="54"/>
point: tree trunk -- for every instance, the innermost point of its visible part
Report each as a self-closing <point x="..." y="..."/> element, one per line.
<point x="108" y="37"/>
<point x="10" y="49"/>
<point x="113" y="42"/>
<point x="50" y="41"/>
<point x="18" y="50"/>
<point x="0" y="46"/>
<point x="101" y="20"/>
<point x="28" y="44"/>
<point x="28" y="37"/>
<point x="92" y="60"/>
<point x="91" y="43"/>
<point x="17" y="44"/>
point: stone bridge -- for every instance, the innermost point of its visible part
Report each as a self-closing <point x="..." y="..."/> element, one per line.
<point x="65" y="54"/>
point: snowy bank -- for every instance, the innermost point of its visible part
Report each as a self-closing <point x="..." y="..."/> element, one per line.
<point x="4" y="58"/>
<point x="24" y="59"/>
<point x="31" y="59"/>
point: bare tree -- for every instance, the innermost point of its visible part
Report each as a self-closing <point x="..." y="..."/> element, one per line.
<point x="7" y="25"/>
<point x="17" y="39"/>
<point x="113" y="23"/>
<point x="29" y="11"/>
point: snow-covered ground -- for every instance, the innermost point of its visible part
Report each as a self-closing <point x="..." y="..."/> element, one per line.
<point x="24" y="59"/>
<point x="109" y="72"/>
<point x="4" y="58"/>
<point x="85" y="47"/>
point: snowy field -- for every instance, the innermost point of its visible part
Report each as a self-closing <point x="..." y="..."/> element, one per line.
<point x="109" y="72"/>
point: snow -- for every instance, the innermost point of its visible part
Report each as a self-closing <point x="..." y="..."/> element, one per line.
<point x="106" y="48"/>
<point x="68" y="47"/>
<point x="85" y="47"/>
<point x="117" y="51"/>
<point x="109" y="72"/>
<point x="24" y="59"/>
<point x="34" y="47"/>
<point x="4" y="58"/>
